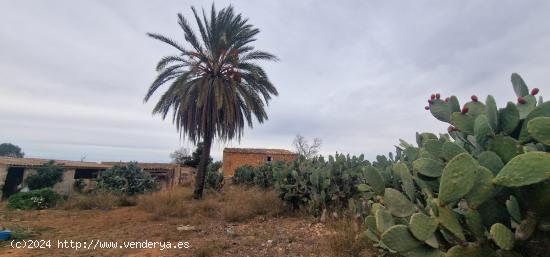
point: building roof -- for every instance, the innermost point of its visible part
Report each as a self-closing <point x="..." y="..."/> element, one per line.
<point x="35" y="162"/>
<point x="147" y="166"/>
<point x="257" y="151"/>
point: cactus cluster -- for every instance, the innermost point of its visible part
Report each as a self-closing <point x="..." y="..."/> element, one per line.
<point x="318" y="185"/>
<point x="483" y="189"/>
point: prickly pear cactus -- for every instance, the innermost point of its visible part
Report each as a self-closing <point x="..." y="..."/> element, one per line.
<point x="482" y="190"/>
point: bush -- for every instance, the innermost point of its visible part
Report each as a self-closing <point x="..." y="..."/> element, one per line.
<point x="34" y="200"/>
<point x="46" y="175"/>
<point x="126" y="179"/>
<point x="243" y="175"/>
<point x="214" y="178"/>
<point x="264" y="176"/>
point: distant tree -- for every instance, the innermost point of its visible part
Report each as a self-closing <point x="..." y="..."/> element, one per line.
<point x="304" y="148"/>
<point x="215" y="85"/>
<point x="180" y="156"/>
<point x="196" y="156"/>
<point x="11" y="150"/>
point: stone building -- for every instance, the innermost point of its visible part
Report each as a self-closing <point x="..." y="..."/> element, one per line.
<point x="167" y="174"/>
<point x="234" y="158"/>
<point x="14" y="171"/>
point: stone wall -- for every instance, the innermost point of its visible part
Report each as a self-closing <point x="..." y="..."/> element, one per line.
<point x="234" y="160"/>
<point x="66" y="185"/>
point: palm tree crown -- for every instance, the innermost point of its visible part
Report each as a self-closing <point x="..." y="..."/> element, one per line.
<point x="215" y="86"/>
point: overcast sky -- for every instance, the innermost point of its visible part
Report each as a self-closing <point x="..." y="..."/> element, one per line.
<point x="355" y="73"/>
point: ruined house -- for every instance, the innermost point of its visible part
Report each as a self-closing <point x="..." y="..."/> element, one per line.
<point x="234" y="158"/>
<point x="14" y="171"/>
<point x="167" y="174"/>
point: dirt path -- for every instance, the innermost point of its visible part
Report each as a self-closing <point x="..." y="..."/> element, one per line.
<point x="260" y="236"/>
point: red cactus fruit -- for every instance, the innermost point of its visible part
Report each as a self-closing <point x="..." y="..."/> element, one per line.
<point x="464" y="110"/>
<point x="534" y="91"/>
<point x="447" y="99"/>
<point x="432" y="96"/>
<point x="437" y="96"/>
<point x="474" y="98"/>
<point x="521" y="100"/>
<point x="426" y="108"/>
<point x="430" y="101"/>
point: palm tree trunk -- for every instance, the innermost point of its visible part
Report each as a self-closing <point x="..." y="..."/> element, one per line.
<point x="203" y="164"/>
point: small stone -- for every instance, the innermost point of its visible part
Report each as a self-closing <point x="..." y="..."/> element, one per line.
<point x="229" y="231"/>
<point x="186" y="228"/>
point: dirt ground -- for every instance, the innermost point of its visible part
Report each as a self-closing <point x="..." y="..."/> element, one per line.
<point x="258" y="236"/>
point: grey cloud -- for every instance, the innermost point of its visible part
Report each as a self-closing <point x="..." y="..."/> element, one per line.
<point x="355" y="73"/>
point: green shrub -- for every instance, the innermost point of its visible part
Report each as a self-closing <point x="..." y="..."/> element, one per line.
<point x="34" y="200"/>
<point x="46" y="175"/>
<point x="244" y="175"/>
<point x="264" y="175"/>
<point x="214" y="178"/>
<point x="126" y="179"/>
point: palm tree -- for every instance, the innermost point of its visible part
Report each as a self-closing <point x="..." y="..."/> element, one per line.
<point x="215" y="86"/>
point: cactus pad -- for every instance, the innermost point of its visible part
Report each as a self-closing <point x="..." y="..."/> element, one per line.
<point x="519" y="85"/>
<point x="491" y="161"/>
<point x="502" y="236"/>
<point x="384" y="221"/>
<point x="398" y="204"/>
<point x="474" y="223"/>
<point x="483" y="188"/>
<point x="539" y="129"/>
<point x="458" y="178"/>
<point x="401" y="170"/>
<point x="423" y="226"/>
<point x="428" y="167"/>
<point x="526" y="108"/>
<point x="454" y="104"/>
<point x="542" y="110"/>
<point x="463" y="122"/>
<point x="475" y="108"/>
<point x="450" y="150"/>
<point x="505" y="147"/>
<point x="482" y="129"/>
<point x="400" y="239"/>
<point x="447" y="218"/>
<point x="374" y="179"/>
<point x="513" y="208"/>
<point x="525" y="169"/>
<point x="441" y="110"/>
<point x="492" y="112"/>
<point x="509" y="118"/>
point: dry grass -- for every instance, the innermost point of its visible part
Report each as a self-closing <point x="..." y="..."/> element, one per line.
<point x="96" y="201"/>
<point x="241" y="204"/>
<point x="345" y="242"/>
<point x="209" y="249"/>
<point x="167" y="203"/>
<point x="234" y="204"/>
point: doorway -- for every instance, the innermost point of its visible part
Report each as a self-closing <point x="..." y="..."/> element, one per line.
<point x="13" y="179"/>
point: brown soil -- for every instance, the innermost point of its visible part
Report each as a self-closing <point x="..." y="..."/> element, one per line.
<point x="285" y="235"/>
